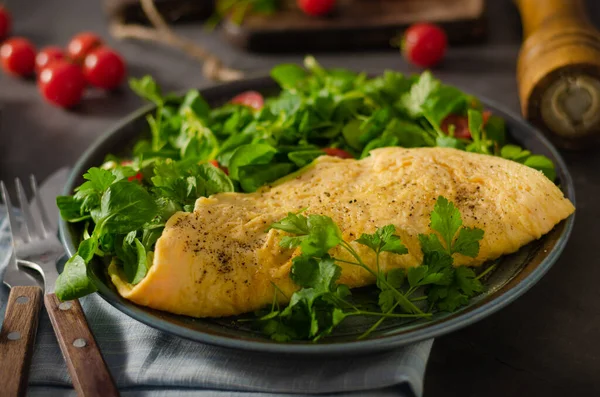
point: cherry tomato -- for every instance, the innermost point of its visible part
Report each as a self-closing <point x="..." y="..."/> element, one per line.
<point x="486" y="114"/>
<point x="216" y="164"/>
<point x="18" y="56"/>
<point x="104" y="68"/>
<point x="62" y="83"/>
<point x="137" y="177"/>
<point x="424" y="44"/>
<point x="316" y="8"/>
<point x="5" y="23"/>
<point x="48" y="55"/>
<point x="461" y="124"/>
<point x="335" y="152"/>
<point x="81" y="45"/>
<point x="251" y="99"/>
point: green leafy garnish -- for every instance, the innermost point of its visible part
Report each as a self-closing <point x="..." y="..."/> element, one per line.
<point x="322" y="303"/>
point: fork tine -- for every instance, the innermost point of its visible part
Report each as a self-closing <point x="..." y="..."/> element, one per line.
<point x="45" y="222"/>
<point x="29" y="224"/>
<point x="12" y="218"/>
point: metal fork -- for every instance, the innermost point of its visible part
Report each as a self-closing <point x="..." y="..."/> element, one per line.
<point x="37" y="247"/>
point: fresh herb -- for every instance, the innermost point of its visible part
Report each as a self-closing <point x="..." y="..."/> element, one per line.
<point x="321" y="303"/>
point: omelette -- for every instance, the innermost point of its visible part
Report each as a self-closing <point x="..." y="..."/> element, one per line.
<point x="222" y="259"/>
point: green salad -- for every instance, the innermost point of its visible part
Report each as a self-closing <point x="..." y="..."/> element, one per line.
<point x="196" y="150"/>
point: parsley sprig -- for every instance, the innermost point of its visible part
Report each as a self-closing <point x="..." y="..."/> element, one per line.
<point x="322" y="303"/>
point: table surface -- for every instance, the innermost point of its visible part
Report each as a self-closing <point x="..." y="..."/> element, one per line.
<point x="543" y="344"/>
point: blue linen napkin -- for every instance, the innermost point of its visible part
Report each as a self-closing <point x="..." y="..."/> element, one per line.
<point x="149" y="363"/>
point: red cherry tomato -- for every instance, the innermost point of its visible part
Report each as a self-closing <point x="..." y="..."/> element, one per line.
<point x="62" y="83"/>
<point x="104" y="68"/>
<point x="48" y="55"/>
<point x="424" y="44"/>
<point x="316" y="8"/>
<point x="216" y="164"/>
<point x="335" y="152"/>
<point x="18" y="56"/>
<point x="251" y="99"/>
<point x="81" y="45"/>
<point x="461" y="124"/>
<point x="137" y="177"/>
<point x="5" y="23"/>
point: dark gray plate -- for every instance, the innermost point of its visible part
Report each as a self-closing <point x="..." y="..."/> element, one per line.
<point x="514" y="275"/>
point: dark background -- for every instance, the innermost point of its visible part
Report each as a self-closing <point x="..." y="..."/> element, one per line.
<point x="546" y="343"/>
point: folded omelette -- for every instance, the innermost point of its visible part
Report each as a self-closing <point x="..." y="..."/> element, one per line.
<point x="220" y="260"/>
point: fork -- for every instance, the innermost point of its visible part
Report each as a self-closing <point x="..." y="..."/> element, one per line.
<point x="37" y="247"/>
<point x="19" y="328"/>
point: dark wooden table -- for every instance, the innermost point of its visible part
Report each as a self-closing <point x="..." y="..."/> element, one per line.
<point x="546" y="343"/>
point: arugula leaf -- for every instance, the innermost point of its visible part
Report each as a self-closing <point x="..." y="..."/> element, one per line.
<point x="254" y="176"/>
<point x="515" y="153"/>
<point x="542" y="163"/>
<point x="147" y="88"/>
<point x="125" y="206"/>
<point x="288" y="75"/>
<point x="73" y="282"/>
<point x="98" y="180"/>
<point x="89" y="193"/>
<point x="413" y="102"/>
<point x="87" y="248"/>
<point x="71" y="209"/>
<point x="352" y="132"/>
<point x="136" y="273"/>
<point x="195" y="140"/>
<point x="194" y="101"/>
<point x="256" y="153"/>
<point x="538" y="162"/>
<point x="304" y="157"/>
<point x="215" y="180"/>
<point x="475" y="120"/>
<point x="373" y="126"/>
<point x="495" y="130"/>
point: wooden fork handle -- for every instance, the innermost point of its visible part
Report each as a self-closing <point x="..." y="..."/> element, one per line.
<point x="89" y="373"/>
<point x="17" y="338"/>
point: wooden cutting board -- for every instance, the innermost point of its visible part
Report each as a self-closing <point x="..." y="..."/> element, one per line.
<point x="356" y="24"/>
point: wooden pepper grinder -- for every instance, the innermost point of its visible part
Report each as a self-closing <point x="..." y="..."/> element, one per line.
<point x="558" y="71"/>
